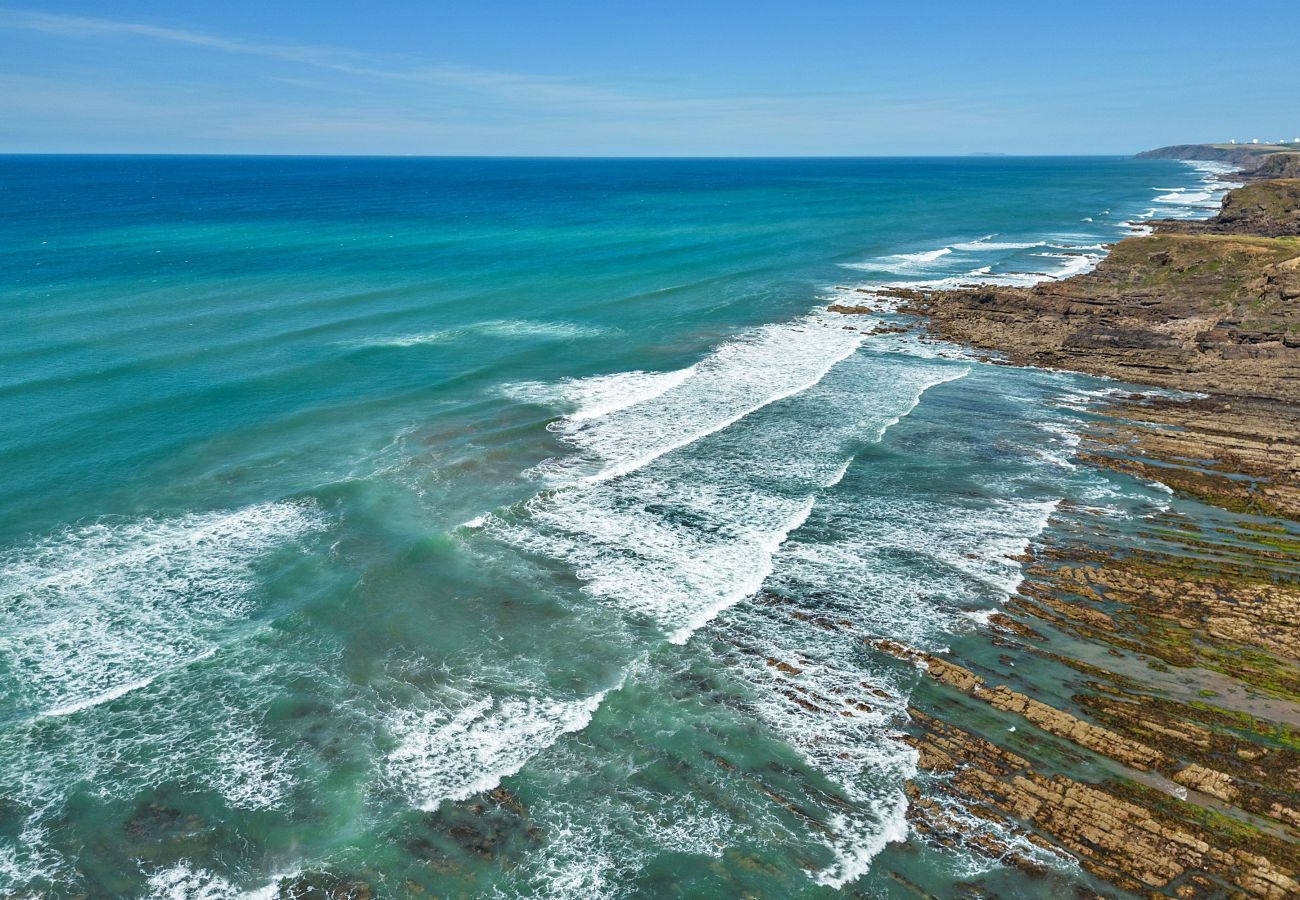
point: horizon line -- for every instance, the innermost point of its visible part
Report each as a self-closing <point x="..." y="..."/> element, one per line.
<point x="558" y="156"/>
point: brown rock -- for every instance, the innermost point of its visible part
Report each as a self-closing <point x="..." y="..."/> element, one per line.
<point x="1207" y="781"/>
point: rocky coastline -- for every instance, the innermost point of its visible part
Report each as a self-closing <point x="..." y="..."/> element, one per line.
<point x="1158" y="743"/>
<point x="1255" y="162"/>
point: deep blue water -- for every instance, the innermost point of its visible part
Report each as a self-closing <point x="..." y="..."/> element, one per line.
<point x="336" y="492"/>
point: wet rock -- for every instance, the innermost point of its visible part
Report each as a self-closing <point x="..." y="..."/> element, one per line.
<point x="325" y="886"/>
<point x="156" y="823"/>
<point x="1132" y="844"/>
<point x="493" y="825"/>
<point x="1210" y="306"/>
<point x="1207" y="781"/>
<point x="1048" y="718"/>
<point x="1213" y="307"/>
<point x="784" y="667"/>
<point x="162" y="833"/>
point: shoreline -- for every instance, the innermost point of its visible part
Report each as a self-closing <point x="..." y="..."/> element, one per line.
<point x="1161" y="751"/>
<point x="771" y="755"/>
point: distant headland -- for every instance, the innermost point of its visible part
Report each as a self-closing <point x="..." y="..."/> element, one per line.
<point x="1257" y="161"/>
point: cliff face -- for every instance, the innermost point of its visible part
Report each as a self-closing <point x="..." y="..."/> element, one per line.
<point x="1235" y="154"/>
<point x="1245" y="155"/>
<point x="1270" y="209"/>
<point x="1255" y="161"/>
<point x="1278" y="165"/>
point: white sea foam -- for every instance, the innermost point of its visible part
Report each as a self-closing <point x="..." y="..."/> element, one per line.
<point x="747" y="585"/>
<point x="600" y="395"/>
<point x="1076" y="247"/>
<point x="723" y="516"/>
<point x="1072" y="264"/>
<point x="1185" y="202"/>
<point x="1136" y="230"/>
<point x="915" y="568"/>
<point x="31" y="859"/>
<point x="924" y="348"/>
<point x="224" y="749"/>
<point x="924" y="256"/>
<point x="739" y="378"/>
<point x="685" y="539"/>
<point x="579" y="861"/>
<point x="853" y="857"/>
<point x="1014" y="843"/>
<point x="596" y="846"/>
<point x="454" y="753"/>
<point x="676" y="541"/>
<point x="1061" y="447"/>
<point x="510" y="328"/>
<point x="648" y="565"/>
<point x="911" y="566"/>
<point x="1210" y="169"/>
<point x="807" y="685"/>
<point x="1185" y="197"/>
<point x="184" y="881"/>
<point x="647" y="503"/>
<point x="987" y="244"/>
<point x="250" y="772"/>
<point x="90" y="614"/>
<point x="922" y="575"/>
<point x="107" y="696"/>
<point x="681" y="541"/>
<point x="93" y="615"/>
<point x="409" y="340"/>
<point x="498" y="328"/>
<point x="1193" y="203"/>
<point x="900" y="263"/>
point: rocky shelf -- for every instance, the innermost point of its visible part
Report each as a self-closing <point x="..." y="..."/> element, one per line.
<point x="1157" y="742"/>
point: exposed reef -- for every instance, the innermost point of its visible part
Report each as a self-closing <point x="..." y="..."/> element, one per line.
<point x="1157" y="742"/>
<point x="1207" y="307"/>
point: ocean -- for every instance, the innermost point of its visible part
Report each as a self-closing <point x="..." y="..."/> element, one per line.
<point x="511" y="527"/>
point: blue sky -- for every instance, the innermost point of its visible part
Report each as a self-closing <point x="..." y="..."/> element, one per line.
<point x="644" y="79"/>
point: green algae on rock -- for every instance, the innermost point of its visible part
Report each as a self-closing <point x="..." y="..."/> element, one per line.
<point x="1182" y="797"/>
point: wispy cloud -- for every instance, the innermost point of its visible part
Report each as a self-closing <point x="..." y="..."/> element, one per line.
<point x="333" y="99"/>
<point x="507" y="85"/>
<point x="83" y="27"/>
<point x="520" y="87"/>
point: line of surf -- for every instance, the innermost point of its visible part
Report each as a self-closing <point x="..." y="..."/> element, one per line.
<point x="621" y="469"/>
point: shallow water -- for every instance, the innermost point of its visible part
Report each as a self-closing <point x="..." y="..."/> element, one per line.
<point x="337" y="492"/>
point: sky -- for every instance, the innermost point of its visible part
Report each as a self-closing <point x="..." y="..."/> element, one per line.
<point x="665" y="78"/>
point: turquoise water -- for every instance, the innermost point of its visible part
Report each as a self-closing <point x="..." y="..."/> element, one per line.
<point x="338" y="492"/>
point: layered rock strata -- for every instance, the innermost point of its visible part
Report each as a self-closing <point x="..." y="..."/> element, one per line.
<point x="1157" y="743"/>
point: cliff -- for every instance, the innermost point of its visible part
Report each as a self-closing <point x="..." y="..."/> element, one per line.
<point x="1267" y="209"/>
<point x="1245" y="155"/>
<point x="1277" y="165"/>
<point x="1255" y="161"/>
